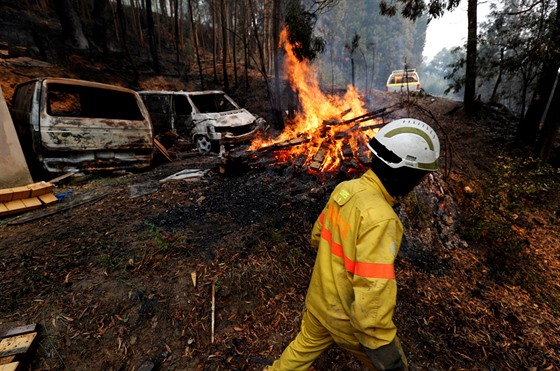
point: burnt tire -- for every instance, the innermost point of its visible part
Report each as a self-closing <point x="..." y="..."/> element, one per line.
<point x="203" y="144"/>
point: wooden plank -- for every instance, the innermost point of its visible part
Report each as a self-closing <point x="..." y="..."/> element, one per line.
<point x="60" y="208"/>
<point x="10" y="366"/>
<point x="48" y="199"/>
<point x="162" y="149"/>
<point x="347" y="150"/>
<point x="31" y="203"/>
<point x="16" y="344"/>
<point x="6" y="360"/>
<point x="19" y="330"/>
<point x="14" y="206"/>
<point x="288" y="143"/>
<point x="6" y="194"/>
<point x="20" y="193"/>
<point x="319" y="157"/>
<point x="41" y="188"/>
<point x="62" y="177"/>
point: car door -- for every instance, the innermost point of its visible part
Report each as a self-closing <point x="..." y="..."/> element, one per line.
<point x="159" y="107"/>
<point x="182" y="114"/>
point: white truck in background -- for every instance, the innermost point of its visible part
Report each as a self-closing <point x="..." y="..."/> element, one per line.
<point x="402" y="81"/>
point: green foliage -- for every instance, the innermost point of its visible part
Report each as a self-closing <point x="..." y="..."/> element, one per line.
<point x="413" y="9"/>
<point x="508" y="60"/>
<point x="515" y="186"/>
<point x="300" y="24"/>
<point x="158" y="238"/>
<point x="527" y="180"/>
<point x="456" y="75"/>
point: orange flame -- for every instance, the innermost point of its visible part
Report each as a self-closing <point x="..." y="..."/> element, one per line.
<point x="317" y="107"/>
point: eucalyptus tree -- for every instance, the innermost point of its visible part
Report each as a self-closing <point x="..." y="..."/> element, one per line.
<point x="352" y="47"/>
<point x="510" y="55"/>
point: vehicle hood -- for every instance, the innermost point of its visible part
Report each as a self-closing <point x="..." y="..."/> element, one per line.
<point x="226" y="119"/>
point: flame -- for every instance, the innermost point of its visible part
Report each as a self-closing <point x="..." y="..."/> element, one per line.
<point x="317" y="107"/>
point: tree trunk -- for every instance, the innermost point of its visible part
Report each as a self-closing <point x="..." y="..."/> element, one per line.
<point x="277" y="109"/>
<point x="214" y="41"/>
<point x="102" y="25"/>
<point x="177" y="38"/>
<point x="195" y="42"/>
<point x="224" y="45"/>
<point x="551" y="123"/>
<point x="262" y="61"/>
<point x="551" y="120"/>
<point x="234" y="43"/>
<point x="470" y="73"/>
<point x="529" y="126"/>
<point x="494" y="98"/>
<point x="246" y="42"/>
<point x="352" y="66"/>
<point x="71" y="25"/>
<point x="152" y="37"/>
<point x="122" y="22"/>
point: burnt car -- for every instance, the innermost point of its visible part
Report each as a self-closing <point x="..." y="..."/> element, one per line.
<point x="67" y="125"/>
<point x="209" y="118"/>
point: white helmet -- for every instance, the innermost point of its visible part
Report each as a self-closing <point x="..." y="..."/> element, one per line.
<point x="407" y="142"/>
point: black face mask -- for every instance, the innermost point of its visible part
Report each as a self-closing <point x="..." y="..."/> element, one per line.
<point x="398" y="182"/>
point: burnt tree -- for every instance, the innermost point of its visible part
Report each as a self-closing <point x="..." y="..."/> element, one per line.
<point x="102" y="25"/>
<point x="152" y="37"/>
<point x="224" y="27"/>
<point x="71" y="25"/>
<point x="470" y="71"/>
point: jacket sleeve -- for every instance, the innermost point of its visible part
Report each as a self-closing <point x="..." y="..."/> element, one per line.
<point x="316" y="231"/>
<point x="374" y="284"/>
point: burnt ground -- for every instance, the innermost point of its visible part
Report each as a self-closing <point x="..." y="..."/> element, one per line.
<point x="133" y="276"/>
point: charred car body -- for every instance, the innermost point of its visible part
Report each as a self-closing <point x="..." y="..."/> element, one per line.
<point x="209" y="118"/>
<point x="73" y="125"/>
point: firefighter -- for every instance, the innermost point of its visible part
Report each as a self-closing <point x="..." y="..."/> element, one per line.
<point x="352" y="294"/>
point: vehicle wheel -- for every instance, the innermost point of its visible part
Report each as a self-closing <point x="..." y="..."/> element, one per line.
<point x="203" y="144"/>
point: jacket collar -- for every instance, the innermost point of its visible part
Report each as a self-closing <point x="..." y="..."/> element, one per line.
<point x="370" y="177"/>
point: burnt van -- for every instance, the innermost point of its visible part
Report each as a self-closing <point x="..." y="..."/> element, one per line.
<point x="68" y="125"/>
<point x="209" y="118"/>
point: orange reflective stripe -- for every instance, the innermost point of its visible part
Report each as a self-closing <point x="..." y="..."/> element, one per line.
<point x="374" y="270"/>
<point x="362" y="269"/>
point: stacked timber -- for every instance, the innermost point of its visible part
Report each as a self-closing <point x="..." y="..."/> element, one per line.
<point x="16" y="346"/>
<point x="20" y="199"/>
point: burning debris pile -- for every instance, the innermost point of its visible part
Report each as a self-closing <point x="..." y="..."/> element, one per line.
<point x="327" y="135"/>
<point x="335" y="145"/>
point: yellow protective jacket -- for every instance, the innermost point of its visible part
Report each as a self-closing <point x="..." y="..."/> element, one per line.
<point x="353" y="289"/>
